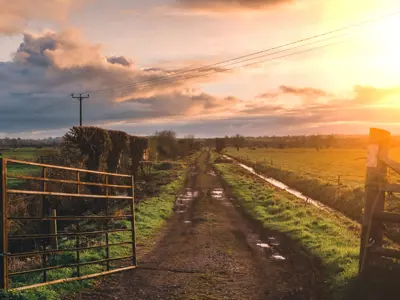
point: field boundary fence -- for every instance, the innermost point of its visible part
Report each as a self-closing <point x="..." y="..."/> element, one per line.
<point x="109" y="186"/>
<point x="377" y="192"/>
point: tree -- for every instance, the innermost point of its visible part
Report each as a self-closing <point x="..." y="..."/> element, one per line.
<point x="238" y="141"/>
<point x="220" y="144"/>
<point x="167" y="145"/>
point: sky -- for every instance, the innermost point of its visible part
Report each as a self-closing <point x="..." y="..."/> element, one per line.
<point x="343" y="82"/>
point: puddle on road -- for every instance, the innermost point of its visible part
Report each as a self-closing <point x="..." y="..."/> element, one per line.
<point x="269" y="250"/>
<point x="263" y="245"/>
<point x="273" y="241"/>
<point x="278" y="257"/>
<point x="217" y="193"/>
<point x="283" y="186"/>
<point x="183" y="200"/>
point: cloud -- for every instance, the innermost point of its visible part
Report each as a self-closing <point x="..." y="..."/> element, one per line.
<point x="123" y="61"/>
<point x="47" y="67"/>
<point x="269" y="95"/>
<point x="15" y="14"/>
<point x="307" y="91"/>
<point x="230" y="5"/>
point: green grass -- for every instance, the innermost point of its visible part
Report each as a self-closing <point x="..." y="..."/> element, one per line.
<point x="324" y="165"/>
<point x="151" y="215"/>
<point x="25" y="154"/>
<point x="333" y="238"/>
<point x="315" y="174"/>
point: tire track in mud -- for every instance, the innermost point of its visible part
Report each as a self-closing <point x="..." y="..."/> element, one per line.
<point x="211" y="251"/>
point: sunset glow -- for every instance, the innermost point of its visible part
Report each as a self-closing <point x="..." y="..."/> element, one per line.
<point x="96" y="45"/>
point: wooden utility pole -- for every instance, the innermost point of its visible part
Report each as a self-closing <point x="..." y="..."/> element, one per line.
<point x="80" y="98"/>
<point x="372" y="231"/>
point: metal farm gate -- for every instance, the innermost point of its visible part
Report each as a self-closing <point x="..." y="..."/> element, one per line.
<point x="89" y="244"/>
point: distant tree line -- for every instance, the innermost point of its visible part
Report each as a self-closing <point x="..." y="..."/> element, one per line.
<point x="304" y="141"/>
<point x="37" y="143"/>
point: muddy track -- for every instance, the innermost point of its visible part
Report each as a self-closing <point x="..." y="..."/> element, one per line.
<point x="210" y="250"/>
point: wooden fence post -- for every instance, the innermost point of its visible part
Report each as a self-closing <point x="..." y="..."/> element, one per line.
<point x="132" y="206"/>
<point x="376" y="174"/>
<point x="3" y="224"/>
<point x="53" y="229"/>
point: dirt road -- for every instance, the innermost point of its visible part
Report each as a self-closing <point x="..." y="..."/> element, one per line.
<point x="210" y="250"/>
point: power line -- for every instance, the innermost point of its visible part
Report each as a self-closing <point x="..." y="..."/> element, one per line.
<point x="240" y="66"/>
<point x="167" y="79"/>
<point x="184" y="71"/>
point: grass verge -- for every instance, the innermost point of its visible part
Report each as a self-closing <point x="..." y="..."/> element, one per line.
<point x="333" y="238"/>
<point x="349" y="201"/>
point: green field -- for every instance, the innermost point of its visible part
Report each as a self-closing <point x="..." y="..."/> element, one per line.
<point x="325" y="165"/>
<point x="24" y="154"/>
<point x="316" y="175"/>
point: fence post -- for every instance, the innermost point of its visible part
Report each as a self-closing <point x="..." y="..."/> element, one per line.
<point x="4" y="229"/>
<point x="106" y="225"/>
<point x="133" y="222"/>
<point x="49" y="212"/>
<point x="378" y="146"/>
<point x="53" y="229"/>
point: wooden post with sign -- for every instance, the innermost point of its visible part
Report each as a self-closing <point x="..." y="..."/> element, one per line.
<point x="372" y="230"/>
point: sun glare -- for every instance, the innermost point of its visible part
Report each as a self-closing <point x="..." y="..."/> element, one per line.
<point x="388" y="46"/>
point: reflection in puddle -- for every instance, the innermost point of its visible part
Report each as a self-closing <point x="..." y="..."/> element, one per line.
<point x="263" y="245"/>
<point x="269" y="250"/>
<point x="183" y="200"/>
<point x="278" y="257"/>
<point x="187" y="222"/>
<point x="284" y="187"/>
<point x="273" y="241"/>
<point x="217" y="193"/>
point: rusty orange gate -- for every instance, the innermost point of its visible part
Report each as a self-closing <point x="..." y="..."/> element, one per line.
<point x="80" y="250"/>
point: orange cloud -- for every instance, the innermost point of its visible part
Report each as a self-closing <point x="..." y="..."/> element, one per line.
<point x="229" y="5"/>
<point x="14" y="14"/>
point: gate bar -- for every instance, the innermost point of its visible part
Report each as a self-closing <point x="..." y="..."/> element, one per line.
<point x="100" y="261"/>
<point x="72" y="279"/>
<point x="23" y="254"/>
<point x="7" y="160"/>
<point x="69" y="181"/>
<point x="67" y="194"/>
<point x="38" y="236"/>
<point x="70" y="218"/>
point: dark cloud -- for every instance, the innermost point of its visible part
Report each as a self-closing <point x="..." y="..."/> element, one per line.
<point x="123" y="61"/>
<point x="230" y="5"/>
